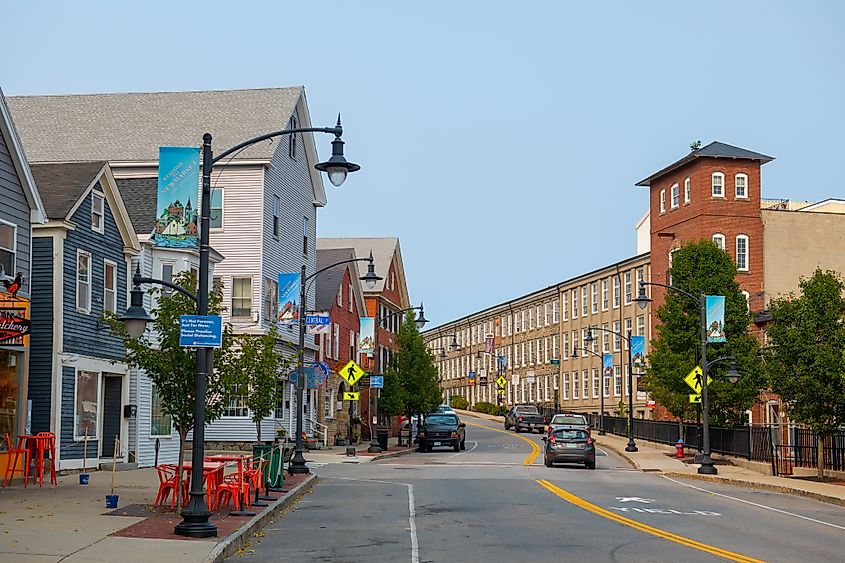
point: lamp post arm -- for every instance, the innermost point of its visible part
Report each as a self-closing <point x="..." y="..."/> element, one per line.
<point x="673" y="288"/>
<point x="337" y="131"/>
<point x="318" y="272"/>
<point x="619" y="334"/>
<point x="391" y="315"/>
<point x="138" y="280"/>
<point x="712" y="363"/>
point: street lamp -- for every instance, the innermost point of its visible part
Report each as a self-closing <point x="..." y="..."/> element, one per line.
<point x="298" y="465"/>
<point x="706" y="467"/>
<point x="631" y="446"/>
<point x="601" y="408"/>
<point x="195" y="516"/>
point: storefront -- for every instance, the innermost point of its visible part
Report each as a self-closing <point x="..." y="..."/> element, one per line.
<point x="14" y="345"/>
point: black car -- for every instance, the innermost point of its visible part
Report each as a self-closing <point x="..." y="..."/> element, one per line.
<point x="570" y="444"/>
<point x="442" y="429"/>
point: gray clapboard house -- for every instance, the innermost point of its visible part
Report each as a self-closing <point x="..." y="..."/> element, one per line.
<point x="264" y="198"/>
<point x="78" y="384"/>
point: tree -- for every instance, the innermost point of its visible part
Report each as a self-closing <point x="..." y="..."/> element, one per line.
<point x="255" y="364"/>
<point x="702" y="267"/>
<point x="805" y="359"/>
<point x="172" y="368"/>
<point x="413" y="367"/>
<point x="392" y="398"/>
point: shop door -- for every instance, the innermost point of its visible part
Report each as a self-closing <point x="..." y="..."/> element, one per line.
<point x="112" y="394"/>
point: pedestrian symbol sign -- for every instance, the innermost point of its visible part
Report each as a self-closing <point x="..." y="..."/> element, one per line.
<point x="501" y="381"/>
<point x="693" y="379"/>
<point x="347" y="396"/>
<point x="351" y="372"/>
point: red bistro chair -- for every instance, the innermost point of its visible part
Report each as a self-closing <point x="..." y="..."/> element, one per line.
<point x="167" y="482"/>
<point x="12" y="463"/>
<point x="45" y="443"/>
<point x="229" y="490"/>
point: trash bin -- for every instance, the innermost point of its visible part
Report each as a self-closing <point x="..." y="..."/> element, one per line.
<point x="273" y="474"/>
<point x="381" y="436"/>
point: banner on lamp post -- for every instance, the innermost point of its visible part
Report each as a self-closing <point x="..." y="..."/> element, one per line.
<point x="488" y="343"/>
<point x="715" y="307"/>
<point x="638" y="351"/>
<point x="607" y="365"/>
<point x="288" y="306"/>
<point x="177" y="217"/>
<point x="367" y="336"/>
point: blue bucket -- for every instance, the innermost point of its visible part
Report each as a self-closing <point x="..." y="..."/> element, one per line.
<point x="83" y="478"/>
<point x="111" y="501"/>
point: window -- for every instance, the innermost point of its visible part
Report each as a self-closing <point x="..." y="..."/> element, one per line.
<point x="586" y="383"/>
<point x="575" y="303"/>
<point x="606" y="384"/>
<point x="531" y="318"/>
<point x="565" y="386"/>
<point x="167" y="275"/>
<point x="327" y="338"/>
<point x="641" y="325"/>
<point x="719" y="239"/>
<point x="237" y="404"/>
<point x="595" y="383"/>
<point x="339" y="298"/>
<point x="217" y="285"/>
<point x="576" y="385"/>
<point x="628" y="288"/>
<point x="216" y="212"/>
<point x="523" y="354"/>
<point x="741" y="184"/>
<point x="629" y="329"/>
<point x="742" y="253"/>
<point x="556" y="311"/>
<point x="336" y="337"/>
<point x="676" y="196"/>
<point x="717" y="184"/>
<point x="271" y="299"/>
<point x="565" y="306"/>
<point x="86" y="404"/>
<point x="747" y="300"/>
<point x="555" y="348"/>
<point x="510" y="325"/>
<point x="662" y="201"/>
<point x="584" y="301"/>
<point x="523" y="321"/>
<point x="565" y="345"/>
<point x="305" y="236"/>
<point x="97" y="212"/>
<point x="547" y="313"/>
<point x="605" y="339"/>
<point x="241" y="297"/>
<point x="329" y="404"/>
<point x="616" y="339"/>
<point x="83" y="281"/>
<point x="292" y="124"/>
<point x="604" y="298"/>
<point x="617" y="292"/>
<point x="109" y="286"/>
<point x="531" y="354"/>
<point x="276" y="216"/>
<point x="8" y="245"/>
<point x="539" y="316"/>
<point x="617" y="381"/>
<point x="687" y="190"/>
<point x="350" y="298"/>
<point x="161" y="424"/>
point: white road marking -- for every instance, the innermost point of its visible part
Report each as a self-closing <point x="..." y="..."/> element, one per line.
<point x="778" y="510"/>
<point x="474" y="445"/>
<point x="635" y="499"/>
<point x="664" y="511"/>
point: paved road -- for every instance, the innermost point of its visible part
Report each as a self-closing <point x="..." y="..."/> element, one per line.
<point x="496" y="502"/>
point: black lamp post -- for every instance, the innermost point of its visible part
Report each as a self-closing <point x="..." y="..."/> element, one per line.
<point x="631" y="446"/>
<point x="195" y="517"/>
<point x="601" y="394"/>
<point x="420" y="321"/>
<point x="298" y="464"/>
<point x="706" y="467"/>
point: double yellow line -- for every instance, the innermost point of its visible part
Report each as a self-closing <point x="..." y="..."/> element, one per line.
<point x="535" y="449"/>
<point x="581" y="503"/>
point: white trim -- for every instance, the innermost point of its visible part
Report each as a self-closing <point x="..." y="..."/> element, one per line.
<point x="675" y="189"/>
<point x="736" y="187"/>
<point x="662" y="201"/>
<point x="747" y="252"/>
<point x="98" y="423"/>
<point x="102" y="228"/>
<point x="721" y="237"/>
<point x="687" y="190"/>
<point x="106" y="263"/>
<point x="713" y="176"/>
<point x="11" y="274"/>
<point x="79" y="253"/>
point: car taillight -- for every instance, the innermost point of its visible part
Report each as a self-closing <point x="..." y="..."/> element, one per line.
<point x="552" y="439"/>
<point x="520" y="418"/>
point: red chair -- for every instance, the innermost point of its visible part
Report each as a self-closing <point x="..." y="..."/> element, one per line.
<point x="12" y="462"/>
<point x="167" y="482"/>
<point x="230" y="488"/>
<point x="45" y="442"/>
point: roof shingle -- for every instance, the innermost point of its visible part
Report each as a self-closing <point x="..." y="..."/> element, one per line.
<point x="62" y="184"/>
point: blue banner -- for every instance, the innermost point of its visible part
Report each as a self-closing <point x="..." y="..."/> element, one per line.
<point x="288" y="308"/>
<point x="177" y="215"/>
<point x="367" y="336"/>
<point x="607" y="365"/>
<point x="638" y="351"/>
<point x="715" y="305"/>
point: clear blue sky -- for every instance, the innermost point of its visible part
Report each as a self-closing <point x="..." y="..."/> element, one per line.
<point x="500" y="141"/>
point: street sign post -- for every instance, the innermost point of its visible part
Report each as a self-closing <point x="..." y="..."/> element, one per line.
<point x="200" y="331"/>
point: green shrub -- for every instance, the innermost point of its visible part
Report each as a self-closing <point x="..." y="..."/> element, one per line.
<point x="458" y="402"/>
<point x="485" y="407"/>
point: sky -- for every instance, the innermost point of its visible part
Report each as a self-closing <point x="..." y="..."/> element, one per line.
<point x="500" y="141"/>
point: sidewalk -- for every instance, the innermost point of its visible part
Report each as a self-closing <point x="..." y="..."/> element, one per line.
<point x="652" y="457"/>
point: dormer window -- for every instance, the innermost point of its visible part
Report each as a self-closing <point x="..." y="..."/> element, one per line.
<point x="676" y="196"/>
<point x="687" y="190"/>
<point x="97" y="211"/>
<point x="718" y="184"/>
<point x="741" y="182"/>
<point x="662" y="201"/>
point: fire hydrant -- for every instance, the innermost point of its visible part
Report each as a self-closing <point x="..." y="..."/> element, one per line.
<point x="680" y="446"/>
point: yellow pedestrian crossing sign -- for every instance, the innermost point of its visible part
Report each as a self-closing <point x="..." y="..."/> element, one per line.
<point x="693" y="379"/>
<point x="351" y="372"/>
<point x="347" y="396"/>
<point x="695" y="398"/>
<point x="501" y="381"/>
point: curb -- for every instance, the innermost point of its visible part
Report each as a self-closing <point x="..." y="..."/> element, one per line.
<point x="762" y="486"/>
<point x="389" y="455"/>
<point x="242" y="535"/>
<point x="623" y="455"/>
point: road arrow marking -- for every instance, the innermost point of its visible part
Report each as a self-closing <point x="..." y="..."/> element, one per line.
<point x="635" y="499"/>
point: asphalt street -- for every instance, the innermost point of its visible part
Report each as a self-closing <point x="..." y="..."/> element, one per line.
<point x="497" y="502"/>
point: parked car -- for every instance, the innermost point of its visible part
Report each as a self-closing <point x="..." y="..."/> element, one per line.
<point x="525" y="417"/>
<point x="570" y="444"/>
<point x="442" y="429"/>
<point x="445" y="409"/>
<point x="569" y="419"/>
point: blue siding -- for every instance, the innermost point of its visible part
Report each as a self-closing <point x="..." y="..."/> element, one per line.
<point x="83" y="334"/>
<point x="15" y="210"/>
<point x="41" y="338"/>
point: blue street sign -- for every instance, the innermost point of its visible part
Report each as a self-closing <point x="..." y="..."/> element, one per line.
<point x="471" y="375"/>
<point x="322" y="319"/>
<point x="200" y="331"/>
<point x="376" y="381"/>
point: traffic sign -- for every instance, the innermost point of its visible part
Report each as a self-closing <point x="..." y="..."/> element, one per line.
<point x="501" y="392"/>
<point x="501" y="381"/>
<point x="347" y="396"/>
<point x="376" y="381"/>
<point x="693" y="379"/>
<point x="555" y="361"/>
<point x="695" y="398"/>
<point x="351" y="372"/>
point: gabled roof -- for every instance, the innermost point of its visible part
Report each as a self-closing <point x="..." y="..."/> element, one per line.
<point x="715" y="149"/>
<point x="385" y="250"/>
<point x="328" y="283"/>
<point x="65" y="185"/>
<point x="130" y="127"/>
<point x="140" y="196"/>
<point x="13" y="142"/>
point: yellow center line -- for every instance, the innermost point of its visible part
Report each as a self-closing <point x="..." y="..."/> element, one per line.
<point x="535" y="449"/>
<point x="581" y="503"/>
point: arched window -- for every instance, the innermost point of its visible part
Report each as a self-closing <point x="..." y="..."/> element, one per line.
<point x="742" y="253"/>
<point x="687" y="190"/>
<point x="717" y="184"/>
<point x="719" y="239"/>
<point x="741" y="185"/>
<point x="676" y="195"/>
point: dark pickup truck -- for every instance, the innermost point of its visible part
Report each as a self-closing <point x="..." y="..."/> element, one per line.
<point x="525" y="417"/>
